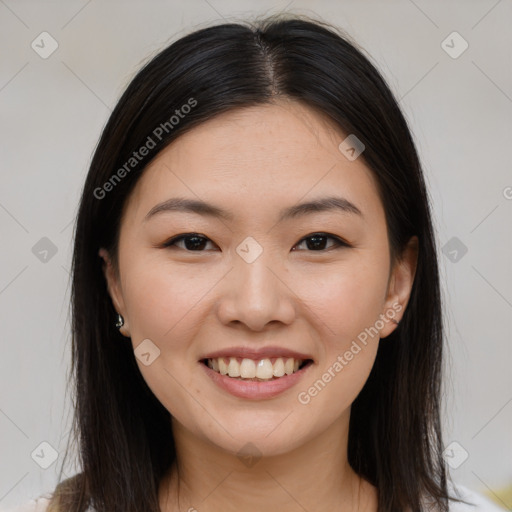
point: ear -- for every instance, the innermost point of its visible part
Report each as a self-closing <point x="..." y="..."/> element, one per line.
<point x="400" y="286"/>
<point x="114" y="289"/>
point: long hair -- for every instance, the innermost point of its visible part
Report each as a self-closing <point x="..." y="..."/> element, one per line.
<point x="123" y="432"/>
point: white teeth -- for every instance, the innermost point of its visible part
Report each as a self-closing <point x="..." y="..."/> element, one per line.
<point x="233" y="367"/>
<point x="279" y="367"/>
<point x="249" y="369"/>
<point x="264" y="369"/>
<point x="223" y="367"/>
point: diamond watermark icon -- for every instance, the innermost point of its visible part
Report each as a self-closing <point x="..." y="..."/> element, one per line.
<point x="351" y="147"/>
<point x="249" y="250"/>
<point x="455" y="455"/>
<point x="146" y="352"/>
<point x="44" y="249"/>
<point x="44" y="45"/>
<point x="44" y="455"/>
<point x="454" y="45"/>
<point x="249" y="454"/>
<point x="454" y="249"/>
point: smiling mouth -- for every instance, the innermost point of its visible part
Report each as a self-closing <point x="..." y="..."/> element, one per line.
<point x="256" y="370"/>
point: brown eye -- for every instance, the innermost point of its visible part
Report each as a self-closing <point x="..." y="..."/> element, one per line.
<point x="192" y="242"/>
<point x="318" y="241"/>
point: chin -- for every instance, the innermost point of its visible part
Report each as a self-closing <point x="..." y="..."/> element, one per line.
<point x="248" y="446"/>
<point x="249" y="434"/>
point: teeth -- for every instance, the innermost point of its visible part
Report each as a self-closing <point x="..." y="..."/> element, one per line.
<point x="288" y="367"/>
<point x="248" y="369"/>
<point x="262" y="369"/>
<point x="279" y="367"/>
<point x="233" y="368"/>
<point x="223" y="367"/>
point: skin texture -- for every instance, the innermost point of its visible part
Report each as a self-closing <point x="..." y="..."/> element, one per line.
<point x="254" y="162"/>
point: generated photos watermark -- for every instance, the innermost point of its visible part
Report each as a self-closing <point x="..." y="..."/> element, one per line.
<point x="137" y="156"/>
<point x="305" y="397"/>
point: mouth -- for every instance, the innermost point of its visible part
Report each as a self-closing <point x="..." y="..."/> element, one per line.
<point x="256" y="370"/>
<point x="256" y="379"/>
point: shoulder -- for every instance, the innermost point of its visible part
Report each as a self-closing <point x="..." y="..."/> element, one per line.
<point x="39" y="504"/>
<point x="477" y="502"/>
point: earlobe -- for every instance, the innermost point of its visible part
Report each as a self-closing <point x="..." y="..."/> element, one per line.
<point x="400" y="286"/>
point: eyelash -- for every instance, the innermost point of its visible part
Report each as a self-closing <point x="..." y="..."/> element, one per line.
<point x="339" y="243"/>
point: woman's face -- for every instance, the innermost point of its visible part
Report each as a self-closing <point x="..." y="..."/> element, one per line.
<point x="254" y="285"/>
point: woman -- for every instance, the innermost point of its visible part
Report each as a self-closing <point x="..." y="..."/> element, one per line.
<point x="257" y="320"/>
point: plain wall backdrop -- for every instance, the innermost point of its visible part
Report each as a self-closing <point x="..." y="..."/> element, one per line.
<point x="55" y="100"/>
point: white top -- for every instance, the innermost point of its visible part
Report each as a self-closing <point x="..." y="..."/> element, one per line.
<point x="481" y="503"/>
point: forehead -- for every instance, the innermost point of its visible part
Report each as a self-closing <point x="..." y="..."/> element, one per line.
<point x="256" y="158"/>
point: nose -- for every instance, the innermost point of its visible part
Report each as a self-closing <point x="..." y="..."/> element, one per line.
<point x="256" y="294"/>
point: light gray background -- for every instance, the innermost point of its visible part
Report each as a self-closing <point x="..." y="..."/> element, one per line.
<point x="52" y="113"/>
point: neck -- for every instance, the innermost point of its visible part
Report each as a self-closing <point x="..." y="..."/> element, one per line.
<point x="313" y="476"/>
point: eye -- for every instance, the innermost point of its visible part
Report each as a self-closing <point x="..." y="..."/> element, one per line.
<point x="317" y="242"/>
<point x="194" y="242"/>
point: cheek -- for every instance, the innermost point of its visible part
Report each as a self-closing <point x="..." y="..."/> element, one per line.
<point x="163" y="305"/>
<point x="348" y="299"/>
<point x="346" y="307"/>
<point x="161" y="299"/>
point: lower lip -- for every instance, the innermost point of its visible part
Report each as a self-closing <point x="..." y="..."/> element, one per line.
<point x="255" y="390"/>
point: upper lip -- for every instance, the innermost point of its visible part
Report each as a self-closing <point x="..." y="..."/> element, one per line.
<point x="257" y="354"/>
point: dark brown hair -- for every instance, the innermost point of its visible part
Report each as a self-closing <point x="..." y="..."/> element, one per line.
<point x="123" y="433"/>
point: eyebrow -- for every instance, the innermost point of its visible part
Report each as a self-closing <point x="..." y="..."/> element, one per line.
<point x="323" y="204"/>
